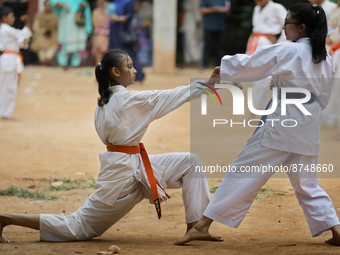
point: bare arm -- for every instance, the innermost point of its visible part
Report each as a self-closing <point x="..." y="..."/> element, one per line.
<point x="209" y="10"/>
<point x="65" y="6"/>
<point x="26" y="19"/>
<point x="117" y="18"/>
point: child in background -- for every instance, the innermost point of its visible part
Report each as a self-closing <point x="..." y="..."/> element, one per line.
<point x="101" y="31"/>
<point x="11" y="61"/>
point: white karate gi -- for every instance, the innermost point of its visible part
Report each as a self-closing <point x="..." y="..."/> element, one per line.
<point x="122" y="181"/>
<point x="287" y="63"/>
<point x="192" y="34"/>
<point x="269" y="20"/>
<point x="10" y="66"/>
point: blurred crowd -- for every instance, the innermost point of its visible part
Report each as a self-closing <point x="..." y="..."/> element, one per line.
<point x="68" y="33"/>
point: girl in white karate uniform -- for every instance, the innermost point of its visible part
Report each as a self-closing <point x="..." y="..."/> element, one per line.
<point x="302" y="63"/>
<point x="11" y="64"/>
<point x="121" y="120"/>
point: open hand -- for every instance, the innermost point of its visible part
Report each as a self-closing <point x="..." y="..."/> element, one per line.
<point x="215" y="76"/>
<point x="25" y="18"/>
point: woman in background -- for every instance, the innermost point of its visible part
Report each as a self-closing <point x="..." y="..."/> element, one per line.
<point x="74" y="27"/>
<point x="45" y="39"/>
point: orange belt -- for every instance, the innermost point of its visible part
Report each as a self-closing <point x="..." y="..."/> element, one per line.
<point x="333" y="49"/>
<point x="253" y="42"/>
<point x="17" y="53"/>
<point x="152" y="180"/>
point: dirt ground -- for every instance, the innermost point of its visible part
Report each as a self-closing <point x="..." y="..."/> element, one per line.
<point x="55" y="138"/>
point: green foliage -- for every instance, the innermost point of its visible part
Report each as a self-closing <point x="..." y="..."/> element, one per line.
<point x="213" y="190"/>
<point x="20" y="192"/>
<point x="69" y="184"/>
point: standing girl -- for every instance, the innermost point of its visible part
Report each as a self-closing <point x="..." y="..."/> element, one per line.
<point x="75" y="26"/>
<point x="127" y="175"/>
<point x="303" y="63"/>
<point x="101" y="31"/>
<point x="11" y="61"/>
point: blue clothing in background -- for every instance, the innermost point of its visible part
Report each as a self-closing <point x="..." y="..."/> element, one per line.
<point x="124" y="7"/>
<point x="214" y="21"/>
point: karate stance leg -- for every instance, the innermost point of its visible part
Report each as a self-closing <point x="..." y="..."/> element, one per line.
<point x="315" y="202"/>
<point x="89" y="221"/>
<point x="179" y="172"/>
<point x="238" y="190"/>
<point x="8" y="93"/>
<point x="92" y="219"/>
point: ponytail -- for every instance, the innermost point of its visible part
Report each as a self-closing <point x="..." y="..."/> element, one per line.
<point x="112" y="58"/>
<point x="314" y="18"/>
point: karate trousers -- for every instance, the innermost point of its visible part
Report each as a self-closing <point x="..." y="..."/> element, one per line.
<point x="238" y="190"/>
<point x="8" y="93"/>
<point x="95" y="217"/>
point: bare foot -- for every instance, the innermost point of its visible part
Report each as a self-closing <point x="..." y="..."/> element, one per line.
<point x="2" y="225"/>
<point x="197" y="234"/>
<point x="335" y="240"/>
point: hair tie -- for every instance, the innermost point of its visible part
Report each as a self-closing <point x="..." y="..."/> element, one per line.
<point x="316" y="8"/>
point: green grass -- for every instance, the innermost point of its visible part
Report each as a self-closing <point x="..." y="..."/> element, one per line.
<point x="24" y="193"/>
<point x="69" y="184"/>
<point x="213" y="190"/>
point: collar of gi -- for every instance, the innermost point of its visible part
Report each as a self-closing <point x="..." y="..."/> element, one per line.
<point x="117" y="88"/>
<point x="304" y="40"/>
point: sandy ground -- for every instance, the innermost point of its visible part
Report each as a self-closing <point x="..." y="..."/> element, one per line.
<point x="55" y="138"/>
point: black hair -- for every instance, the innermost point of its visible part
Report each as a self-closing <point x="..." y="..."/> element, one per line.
<point x="4" y="11"/>
<point x="315" y="21"/>
<point x="112" y="58"/>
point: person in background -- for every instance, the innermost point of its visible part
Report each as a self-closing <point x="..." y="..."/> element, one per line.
<point x="191" y="30"/>
<point x="75" y="26"/>
<point x="11" y="60"/>
<point x="268" y="18"/>
<point x="20" y="8"/>
<point x="142" y="23"/>
<point x="214" y="25"/>
<point x="331" y="115"/>
<point x="327" y="6"/>
<point x="45" y="35"/>
<point x="101" y="31"/>
<point x="121" y="24"/>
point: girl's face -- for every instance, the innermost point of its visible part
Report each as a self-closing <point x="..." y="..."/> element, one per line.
<point x="126" y="75"/>
<point x="294" y="30"/>
<point x="9" y="19"/>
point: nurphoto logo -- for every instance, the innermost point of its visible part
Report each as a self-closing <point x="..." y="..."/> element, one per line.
<point x="238" y="103"/>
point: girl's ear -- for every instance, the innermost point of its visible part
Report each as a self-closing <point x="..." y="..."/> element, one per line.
<point x="115" y="71"/>
<point x="302" y="28"/>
